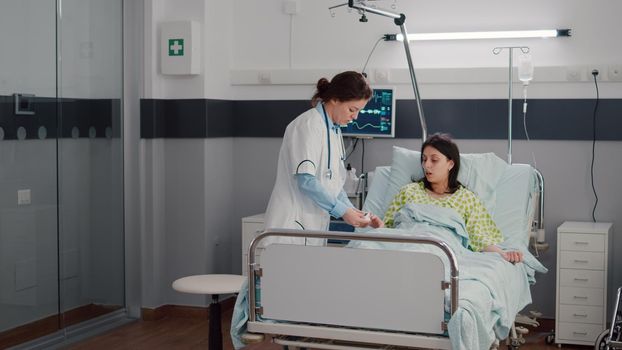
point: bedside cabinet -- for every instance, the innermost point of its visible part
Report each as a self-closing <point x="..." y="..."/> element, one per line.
<point x="582" y="262"/>
<point x="252" y="226"/>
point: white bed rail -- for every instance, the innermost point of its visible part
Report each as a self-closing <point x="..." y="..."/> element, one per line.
<point x="453" y="284"/>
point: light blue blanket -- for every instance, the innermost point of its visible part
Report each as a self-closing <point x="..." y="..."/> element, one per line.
<point x="491" y="291"/>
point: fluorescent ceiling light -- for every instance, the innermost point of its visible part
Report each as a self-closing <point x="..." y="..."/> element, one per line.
<point x="550" y="33"/>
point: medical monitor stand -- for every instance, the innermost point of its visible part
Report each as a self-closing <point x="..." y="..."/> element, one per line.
<point x="399" y="20"/>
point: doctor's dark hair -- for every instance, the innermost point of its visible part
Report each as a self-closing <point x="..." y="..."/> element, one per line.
<point x="444" y="144"/>
<point x="345" y="86"/>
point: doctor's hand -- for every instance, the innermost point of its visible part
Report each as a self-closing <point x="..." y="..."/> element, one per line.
<point x="356" y="218"/>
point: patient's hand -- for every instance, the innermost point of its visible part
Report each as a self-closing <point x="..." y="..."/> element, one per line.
<point x="512" y="256"/>
<point x="376" y="222"/>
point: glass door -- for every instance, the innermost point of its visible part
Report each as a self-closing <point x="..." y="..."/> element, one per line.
<point x="90" y="159"/>
<point x="29" y="288"/>
<point x="61" y="156"/>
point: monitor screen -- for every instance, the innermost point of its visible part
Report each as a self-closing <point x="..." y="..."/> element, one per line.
<point x="376" y="119"/>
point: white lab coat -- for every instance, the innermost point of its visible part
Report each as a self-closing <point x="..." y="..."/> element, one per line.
<point x="305" y="150"/>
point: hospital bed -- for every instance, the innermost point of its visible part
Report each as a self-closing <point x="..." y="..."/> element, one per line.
<point x="374" y="294"/>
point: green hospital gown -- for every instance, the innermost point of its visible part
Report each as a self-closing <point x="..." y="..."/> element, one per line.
<point x="481" y="228"/>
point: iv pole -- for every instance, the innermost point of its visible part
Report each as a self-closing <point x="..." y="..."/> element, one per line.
<point x="399" y="20"/>
<point x="496" y="51"/>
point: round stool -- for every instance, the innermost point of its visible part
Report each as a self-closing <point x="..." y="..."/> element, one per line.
<point x="213" y="285"/>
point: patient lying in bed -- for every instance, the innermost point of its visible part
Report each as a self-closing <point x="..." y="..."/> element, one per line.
<point x="440" y="159"/>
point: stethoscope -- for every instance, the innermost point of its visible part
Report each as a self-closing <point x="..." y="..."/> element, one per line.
<point x="329" y="172"/>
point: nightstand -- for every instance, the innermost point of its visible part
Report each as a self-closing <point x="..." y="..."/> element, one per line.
<point x="582" y="263"/>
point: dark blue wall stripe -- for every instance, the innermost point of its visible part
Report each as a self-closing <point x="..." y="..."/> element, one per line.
<point x="547" y="119"/>
<point x="80" y="113"/>
<point x="196" y="118"/>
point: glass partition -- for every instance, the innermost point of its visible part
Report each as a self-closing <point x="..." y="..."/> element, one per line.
<point x="61" y="175"/>
<point x="90" y="158"/>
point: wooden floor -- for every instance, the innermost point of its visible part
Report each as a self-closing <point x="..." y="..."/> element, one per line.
<point x="191" y="333"/>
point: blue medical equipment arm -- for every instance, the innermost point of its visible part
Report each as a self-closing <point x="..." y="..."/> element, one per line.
<point x="399" y="20"/>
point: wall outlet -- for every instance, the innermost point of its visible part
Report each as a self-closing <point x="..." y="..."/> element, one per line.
<point x="575" y="73"/>
<point x="291" y="7"/>
<point x="602" y="72"/>
<point x="264" y="78"/>
<point x="615" y="72"/>
<point x="23" y="197"/>
<point x="381" y="76"/>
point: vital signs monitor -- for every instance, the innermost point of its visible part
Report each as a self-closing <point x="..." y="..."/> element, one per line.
<point x="376" y="119"/>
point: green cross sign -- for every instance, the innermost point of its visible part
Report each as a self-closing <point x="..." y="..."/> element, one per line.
<point x="175" y="47"/>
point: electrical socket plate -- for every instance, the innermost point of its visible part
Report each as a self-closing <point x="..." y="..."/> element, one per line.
<point x="602" y="72"/>
<point x="264" y="78"/>
<point x="615" y="72"/>
<point x="575" y="73"/>
<point x="291" y="7"/>
<point x="23" y="197"/>
<point x="381" y="76"/>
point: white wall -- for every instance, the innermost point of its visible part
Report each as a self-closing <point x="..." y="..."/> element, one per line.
<point x="323" y="44"/>
<point x="186" y="202"/>
<point x="253" y="36"/>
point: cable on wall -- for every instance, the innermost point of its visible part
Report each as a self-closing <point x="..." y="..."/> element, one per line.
<point x="533" y="155"/>
<point x="594" y="74"/>
<point x="369" y="56"/>
<point x="353" y="144"/>
<point x="363" y="156"/>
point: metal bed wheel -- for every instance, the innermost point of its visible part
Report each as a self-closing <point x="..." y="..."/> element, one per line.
<point x="514" y="344"/>
<point x="550" y="339"/>
<point x="601" y="341"/>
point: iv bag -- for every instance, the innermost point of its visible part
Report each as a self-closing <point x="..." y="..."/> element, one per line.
<point x="525" y="68"/>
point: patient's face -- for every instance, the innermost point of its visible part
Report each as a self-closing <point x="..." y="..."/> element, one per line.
<point x="436" y="165"/>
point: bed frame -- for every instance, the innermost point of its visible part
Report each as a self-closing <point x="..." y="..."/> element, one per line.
<point x="343" y="313"/>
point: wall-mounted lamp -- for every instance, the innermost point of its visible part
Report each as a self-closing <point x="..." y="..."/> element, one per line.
<point x="510" y="34"/>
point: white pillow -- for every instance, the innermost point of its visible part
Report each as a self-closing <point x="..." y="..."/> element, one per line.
<point x="374" y="201"/>
<point x="479" y="172"/>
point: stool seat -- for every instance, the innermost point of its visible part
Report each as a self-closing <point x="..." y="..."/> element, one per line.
<point x="252" y="338"/>
<point x="214" y="285"/>
<point x="209" y="284"/>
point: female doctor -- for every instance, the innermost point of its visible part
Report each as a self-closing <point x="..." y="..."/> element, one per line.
<point x="310" y="173"/>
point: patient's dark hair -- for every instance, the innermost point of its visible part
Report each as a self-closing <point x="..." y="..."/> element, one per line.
<point x="444" y="144"/>
<point x="345" y="86"/>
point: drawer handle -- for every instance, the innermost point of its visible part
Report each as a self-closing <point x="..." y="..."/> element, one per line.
<point x="581" y="261"/>
<point x="579" y="315"/>
<point x="581" y="279"/>
<point x="579" y="297"/>
<point x="578" y="242"/>
<point x="580" y="333"/>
